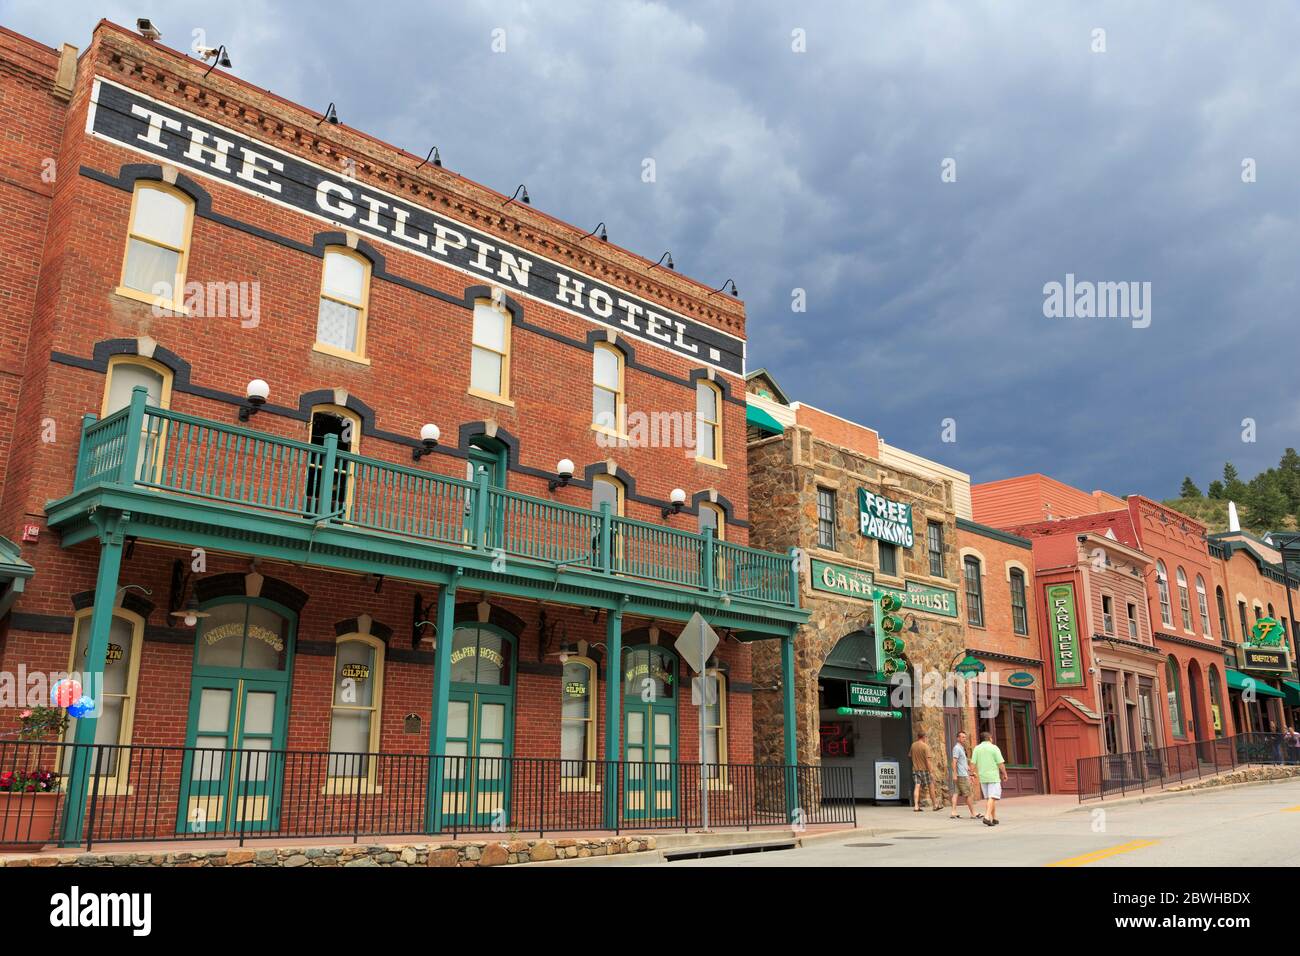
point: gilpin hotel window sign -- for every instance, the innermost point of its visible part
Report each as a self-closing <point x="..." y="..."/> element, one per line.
<point x="1065" y="634"/>
<point x="857" y="583"/>
<point x="142" y="124"/>
<point x="885" y="520"/>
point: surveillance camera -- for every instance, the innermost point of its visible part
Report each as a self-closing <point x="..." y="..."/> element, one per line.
<point x="147" y="29"/>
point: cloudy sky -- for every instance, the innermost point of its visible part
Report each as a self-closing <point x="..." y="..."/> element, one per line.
<point x="805" y="147"/>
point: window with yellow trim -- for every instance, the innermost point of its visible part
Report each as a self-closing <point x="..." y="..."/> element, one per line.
<point x="711" y="516"/>
<point x="354" y="717"/>
<point x="125" y="373"/>
<point x="578" y="722"/>
<point x="116" y="695"/>
<point x="708" y="422"/>
<point x="344" y="303"/>
<point x="607" y="400"/>
<point x="606" y="489"/>
<point x="489" y="373"/>
<point x="157" y="245"/>
<point x="714" y="757"/>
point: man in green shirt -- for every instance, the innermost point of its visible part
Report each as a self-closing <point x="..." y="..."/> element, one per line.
<point x="992" y="769"/>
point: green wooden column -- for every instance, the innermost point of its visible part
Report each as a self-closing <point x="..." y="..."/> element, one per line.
<point x="78" y="776"/>
<point x="613" y="712"/>
<point x="446" y="624"/>
<point x="788" y="724"/>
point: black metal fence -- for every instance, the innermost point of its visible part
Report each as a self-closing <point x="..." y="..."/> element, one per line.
<point x="1142" y="770"/>
<point x="147" y="794"/>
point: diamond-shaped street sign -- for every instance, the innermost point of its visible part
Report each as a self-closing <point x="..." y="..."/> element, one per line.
<point x="696" y="642"/>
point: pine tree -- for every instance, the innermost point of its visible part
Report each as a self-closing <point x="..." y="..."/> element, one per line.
<point x="1189" y="489"/>
<point x="1216" y="490"/>
<point x="1266" y="502"/>
<point x="1234" y="489"/>
<point x="1288" y="470"/>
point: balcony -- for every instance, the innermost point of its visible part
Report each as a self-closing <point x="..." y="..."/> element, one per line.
<point x="152" y="459"/>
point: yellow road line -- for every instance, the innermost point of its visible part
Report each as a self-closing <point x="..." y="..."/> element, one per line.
<point x="1096" y="855"/>
<point x="1291" y="809"/>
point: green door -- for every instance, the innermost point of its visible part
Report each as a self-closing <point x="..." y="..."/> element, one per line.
<point x="650" y="733"/>
<point x="487" y="456"/>
<point x="480" y="728"/>
<point x="233" y="766"/>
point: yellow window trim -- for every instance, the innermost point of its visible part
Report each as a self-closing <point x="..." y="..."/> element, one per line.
<point x="720" y="781"/>
<point x="720" y="528"/>
<point x="502" y="397"/>
<point x="718" y="453"/>
<point x="115" y="784"/>
<point x="587" y="783"/>
<point x="363" y="785"/>
<point x="341" y="412"/>
<point x="114" y="361"/>
<point x="620" y="400"/>
<point x="712" y="462"/>
<point x="362" y="307"/>
<point x="176" y="302"/>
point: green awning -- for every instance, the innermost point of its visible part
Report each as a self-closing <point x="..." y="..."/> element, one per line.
<point x="1239" y="681"/>
<point x="1291" y="693"/>
<point x="762" y="420"/>
<point x="14" y="573"/>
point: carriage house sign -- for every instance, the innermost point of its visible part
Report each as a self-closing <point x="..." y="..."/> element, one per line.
<point x="857" y="583"/>
<point x="147" y="126"/>
<point x="885" y="520"/>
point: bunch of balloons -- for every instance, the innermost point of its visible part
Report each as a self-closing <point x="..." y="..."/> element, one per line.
<point x="67" y="694"/>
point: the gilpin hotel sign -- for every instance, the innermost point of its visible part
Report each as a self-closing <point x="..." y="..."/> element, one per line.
<point x="885" y="520"/>
<point x="147" y="126"/>
<point x="854" y="582"/>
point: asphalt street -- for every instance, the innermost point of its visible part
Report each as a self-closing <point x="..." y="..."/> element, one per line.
<point x="1247" y="826"/>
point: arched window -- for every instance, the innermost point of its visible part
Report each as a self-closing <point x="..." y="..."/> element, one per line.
<point x="355" y="715"/>
<point x="715" y="729"/>
<point x="1162" y="585"/>
<point x="708" y="423"/>
<point x="344" y="298"/>
<point x="578" y="723"/>
<point x="974" y="591"/>
<point x="1019" y="610"/>
<point x="489" y="371"/>
<point x="711" y="516"/>
<point x="1203" y="605"/>
<point x="121" y="670"/>
<point x="345" y="425"/>
<point x="125" y="372"/>
<point x="157" y="245"/>
<point x="1223" y="613"/>
<point x="1184" y="604"/>
<point x="608" y="408"/>
<point x="1174" y="692"/>
<point x="1217" y="717"/>
<point x="606" y="489"/>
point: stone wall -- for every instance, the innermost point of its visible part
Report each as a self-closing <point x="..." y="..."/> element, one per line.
<point x="455" y="853"/>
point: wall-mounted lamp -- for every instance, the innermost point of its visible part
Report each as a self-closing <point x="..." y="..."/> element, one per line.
<point x="331" y="116"/>
<point x="258" y="392"/>
<point x="435" y="155"/>
<point x="598" y="231"/>
<point x="669" y="263"/>
<point x="563" y="474"/>
<point x="147" y="29"/>
<point x="566" y="650"/>
<point x="678" y="499"/>
<point x="723" y="288"/>
<point x="217" y="55"/>
<point x="190" y="613"/>
<point x="520" y="189"/>
<point x="429" y="436"/>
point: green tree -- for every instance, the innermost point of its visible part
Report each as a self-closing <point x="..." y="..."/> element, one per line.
<point x="1189" y="489"/>
<point x="1234" y="489"/>
<point x="1265" y="502"/>
<point x="1288" y="472"/>
<point x="1216" y="489"/>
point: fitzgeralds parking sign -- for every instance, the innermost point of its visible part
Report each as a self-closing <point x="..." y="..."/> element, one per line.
<point x="885" y="520"/>
<point x="1065" y="634"/>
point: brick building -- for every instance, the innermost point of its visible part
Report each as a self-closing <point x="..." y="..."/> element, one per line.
<point x="1002" y="622"/>
<point x="863" y="521"/>
<point x="227" y="330"/>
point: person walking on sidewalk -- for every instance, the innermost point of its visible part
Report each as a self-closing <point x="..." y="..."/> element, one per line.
<point x="922" y="773"/>
<point x="961" y="779"/>
<point x="992" y="770"/>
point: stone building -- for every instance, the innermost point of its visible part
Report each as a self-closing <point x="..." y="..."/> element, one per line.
<point x="861" y="520"/>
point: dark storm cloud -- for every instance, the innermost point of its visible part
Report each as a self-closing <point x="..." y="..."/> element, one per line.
<point x="821" y="171"/>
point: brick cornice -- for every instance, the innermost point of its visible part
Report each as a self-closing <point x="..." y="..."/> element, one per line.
<point x="171" y="76"/>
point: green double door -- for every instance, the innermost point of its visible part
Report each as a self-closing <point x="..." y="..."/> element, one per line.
<point x="233" y="767"/>
<point x="650" y="779"/>
<point x="480" y="729"/>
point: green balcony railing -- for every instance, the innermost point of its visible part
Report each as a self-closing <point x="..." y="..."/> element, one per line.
<point x="184" y="456"/>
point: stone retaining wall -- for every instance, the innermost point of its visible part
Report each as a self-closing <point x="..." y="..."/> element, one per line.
<point x="1245" y="775"/>
<point x="455" y="853"/>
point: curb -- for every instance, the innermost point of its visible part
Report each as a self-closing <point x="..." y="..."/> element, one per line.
<point x="1171" y="794"/>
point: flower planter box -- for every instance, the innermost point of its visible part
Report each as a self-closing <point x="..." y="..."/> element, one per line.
<point x="27" y="820"/>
